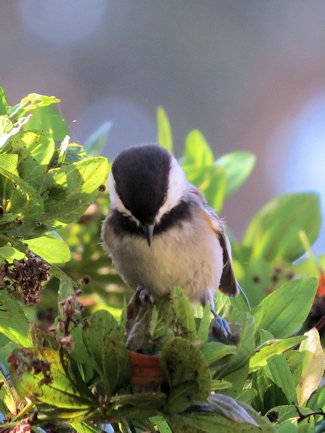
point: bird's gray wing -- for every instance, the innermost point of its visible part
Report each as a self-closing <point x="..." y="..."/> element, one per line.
<point x="228" y="282"/>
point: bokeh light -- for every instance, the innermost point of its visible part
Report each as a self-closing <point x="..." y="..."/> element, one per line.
<point x="131" y="124"/>
<point x="300" y="148"/>
<point x="63" y="22"/>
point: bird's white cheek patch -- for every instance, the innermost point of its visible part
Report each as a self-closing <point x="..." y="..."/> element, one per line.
<point x="176" y="187"/>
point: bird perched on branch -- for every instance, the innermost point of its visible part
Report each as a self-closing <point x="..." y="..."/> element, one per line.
<point x="161" y="232"/>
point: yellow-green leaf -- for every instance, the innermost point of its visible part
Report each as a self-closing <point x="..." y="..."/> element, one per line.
<point x="313" y="366"/>
<point x="238" y="166"/>
<point x="283" y="312"/>
<point x="164" y="132"/>
<point x="272" y="348"/>
<point x="197" y="150"/>
<point x="274" y="231"/>
<point x="51" y="248"/>
<point x="13" y="321"/>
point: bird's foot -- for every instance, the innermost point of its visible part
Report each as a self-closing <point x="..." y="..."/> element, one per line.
<point x="144" y="297"/>
<point x="221" y="331"/>
<point x="138" y="321"/>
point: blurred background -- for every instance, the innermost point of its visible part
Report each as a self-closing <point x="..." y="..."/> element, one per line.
<point x="249" y="75"/>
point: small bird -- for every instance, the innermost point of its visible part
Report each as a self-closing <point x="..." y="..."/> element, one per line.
<point x="161" y="232"/>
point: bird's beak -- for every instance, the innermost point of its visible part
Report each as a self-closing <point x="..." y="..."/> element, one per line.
<point x="148" y="231"/>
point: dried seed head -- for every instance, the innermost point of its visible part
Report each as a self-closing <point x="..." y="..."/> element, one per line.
<point x="22" y="427"/>
<point x="26" y="276"/>
<point x="275" y="278"/>
<point x="273" y="416"/>
<point x="86" y="279"/>
<point x="71" y="306"/>
<point x="66" y="342"/>
<point x="4" y="271"/>
<point x="23" y="360"/>
<point x="289" y="274"/>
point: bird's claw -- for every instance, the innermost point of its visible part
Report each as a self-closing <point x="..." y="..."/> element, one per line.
<point x="221" y="331"/>
<point x="144" y="297"/>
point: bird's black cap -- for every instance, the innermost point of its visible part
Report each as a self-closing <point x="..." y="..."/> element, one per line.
<point x="141" y="175"/>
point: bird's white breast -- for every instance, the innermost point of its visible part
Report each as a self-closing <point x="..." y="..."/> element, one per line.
<point x="188" y="254"/>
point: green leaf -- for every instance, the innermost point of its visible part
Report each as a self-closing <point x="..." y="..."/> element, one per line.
<point x="241" y="301"/>
<point x="238" y="166"/>
<point x="257" y="279"/>
<point x="213" y="351"/>
<point x="9" y="162"/>
<point x="4" y="106"/>
<point x="67" y="285"/>
<point x="5" y="351"/>
<point x="5" y="127"/>
<point x="138" y="406"/>
<point x="283" y="312"/>
<point x="6" y="396"/>
<point x="211" y="181"/>
<point x="317" y="400"/>
<point x="308" y="426"/>
<point x="161" y="424"/>
<point x="19" y="198"/>
<point x="237" y="378"/>
<point x="186" y="372"/>
<point x="309" y="265"/>
<point x="279" y="372"/>
<point x="49" y="122"/>
<point x="271" y="348"/>
<point x="17" y="329"/>
<point x="9" y="253"/>
<point x="214" y="187"/>
<point x="313" y="366"/>
<point x="76" y="184"/>
<point x="220" y="385"/>
<point x="107" y="353"/>
<point x="74" y="152"/>
<point x="204" y="326"/>
<point x="210" y="422"/>
<point x="95" y="143"/>
<point x="246" y="345"/>
<point x="80" y="352"/>
<point x="66" y="397"/>
<point x="51" y="248"/>
<point x="164" y="132"/>
<point x="197" y="150"/>
<point x="246" y="395"/>
<point x="263" y="336"/>
<point x="295" y="361"/>
<point x="83" y="427"/>
<point x="183" y="313"/>
<point x="286" y="412"/>
<point x="8" y="130"/>
<point x="274" y="231"/>
<point x="286" y="427"/>
<point x="35" y="152"/>
<point x="29" y="103"/>
<point x="160" y="326"/>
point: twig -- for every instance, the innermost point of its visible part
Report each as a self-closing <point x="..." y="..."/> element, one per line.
<point x="302" y="416"/>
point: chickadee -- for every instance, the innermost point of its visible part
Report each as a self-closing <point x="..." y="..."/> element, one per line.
<point x="161" y="232"/>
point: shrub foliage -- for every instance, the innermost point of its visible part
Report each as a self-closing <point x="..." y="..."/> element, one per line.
<point x="64" y="361"/>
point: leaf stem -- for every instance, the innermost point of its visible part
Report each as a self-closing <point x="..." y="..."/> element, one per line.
<point x="24" y="410"/>
<point x="306" y="244"/>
